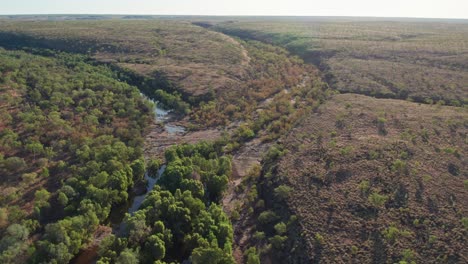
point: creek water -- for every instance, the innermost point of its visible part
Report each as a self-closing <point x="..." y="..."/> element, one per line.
<point x="164" y="116"/>
<point x="151" y="180"/>
<point x="89" y="255"/>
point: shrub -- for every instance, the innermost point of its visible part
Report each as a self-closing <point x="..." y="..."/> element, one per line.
<point x="260" y="204"/>
<point x="346" y="150"/>
<point x="464" y="222"/>
<point x="41" y="198"/>
<point x="153" y="167"/>
<point x="267" y="217"/>
<point x="252" y="256"/>
<point x="399" y="166"/>
<point x="392" y="233"/>
<point x="278" y="241"/>
<point x="354" y="250"/>
<point x="28" y="177"/>
<point x="35" y="148"/>
<point x="425" y="135"/>
<point x="282" y="191"/>
<point x="235" y="215"/>
<point x="14" y="164"/>
<point x="45" y="172"/>
<point x="377" y="200"/>
<point x="427" y="178"/>
<point x="62" y="199"/>
<point x="245" y="133"/>
<point x="364" y="187"/>
<point x="319" y="239"/>
<point x="259" y="235"/>
<point x="381" y="126"/>
<point x="253" y="194"/>
<point x="373" y="154"/>
<point x="451" y="151"/>
<point x="408" y="256"/>
<point x="280" y="228"/>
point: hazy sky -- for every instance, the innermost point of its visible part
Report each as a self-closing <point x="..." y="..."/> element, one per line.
<point x="387" y="8"/>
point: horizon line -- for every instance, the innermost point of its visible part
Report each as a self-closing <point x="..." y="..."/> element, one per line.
<point x="209" y="15"/>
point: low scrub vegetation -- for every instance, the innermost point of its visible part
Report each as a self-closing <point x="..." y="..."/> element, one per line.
<point x="380" y="198"/>
<point x="417" y="61"/>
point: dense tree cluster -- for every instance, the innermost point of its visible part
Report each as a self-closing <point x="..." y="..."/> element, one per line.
<point x="70" y="145"/>
<point x="180" y="219"/>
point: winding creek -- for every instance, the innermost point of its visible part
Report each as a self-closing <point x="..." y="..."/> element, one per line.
<point x="164" y="116"/>
<point x="116" y="217"/>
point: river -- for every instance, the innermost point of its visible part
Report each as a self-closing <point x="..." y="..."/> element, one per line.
<point x="89" y="255"/>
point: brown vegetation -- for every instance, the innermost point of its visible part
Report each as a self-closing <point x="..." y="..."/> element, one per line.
<point x="376" y="178"/>
<point x="424" y="61"/>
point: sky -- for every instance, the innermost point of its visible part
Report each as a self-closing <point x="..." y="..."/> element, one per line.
<point x="375" y="8"/>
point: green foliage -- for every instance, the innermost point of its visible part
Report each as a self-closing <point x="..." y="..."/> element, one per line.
<point x="244" y="133"/>
<point x="41" y="198"/>
<point x="179" y="219"/>
<point x="319" y="239"/>
<point x="377" y="200"/>
<point x="273" y="154"/>
<point x="172" y="101"/>
<point x="282" y="191"/>
<point x="399" y="166"/>
<point x="277" y="241"/>
<point x="451" y="151"/>
<point x="259" y="236"/>
<point x="188" y="161"/>
<point x="267" y="217"/>
<point x="346" y="151"/>
<point x="364" y="187"/>
<point x="156" y="246"/>
<point x="35" y="148"/>
<point x="127" y="257"/>
<point x="13" y="243"/>
<point x="381" y="121"/>
<point x="432" y="239"/>
<point x="392" y="233"/>
<point x="354" y="250"/>
<point x="252" y="256"/>
<point x="64" y="239"/>
<point x="464" y="222"/>
<point x="211" y="255"/>
<point x="138" y="169"/>
<point x="235" y="215"/>
<point x="408" y="256"/>
<point x="373" y="154"/>
<point x="153" y="167"/>
<point x="14" y="164"/>
<point x="280" y="228"/>
<point x="81" y="130"/>
<point x="29" y="177"/>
